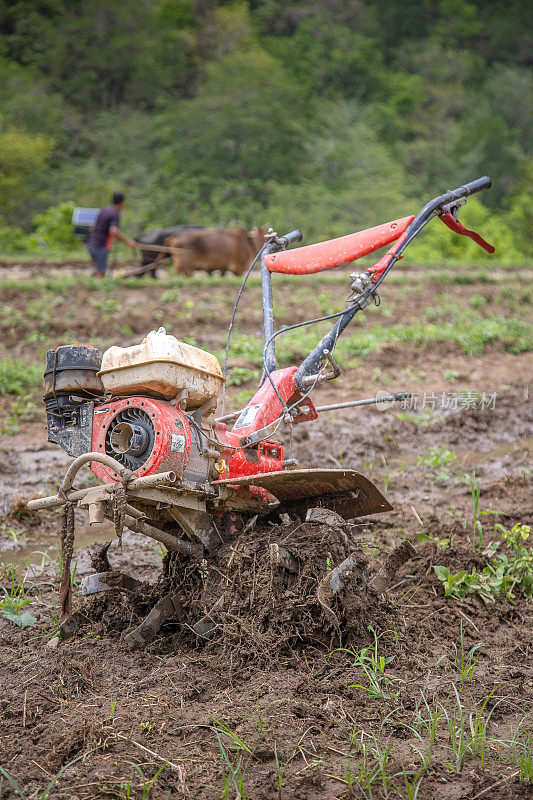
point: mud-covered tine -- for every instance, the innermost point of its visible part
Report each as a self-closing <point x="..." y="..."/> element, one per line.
<point x="171" y="542"/>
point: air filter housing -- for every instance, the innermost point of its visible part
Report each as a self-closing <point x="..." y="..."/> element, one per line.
<point x="71" y="385"/>
<point x="73" y="368"/>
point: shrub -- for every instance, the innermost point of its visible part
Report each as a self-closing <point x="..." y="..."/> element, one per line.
<point x="55" y="228"/>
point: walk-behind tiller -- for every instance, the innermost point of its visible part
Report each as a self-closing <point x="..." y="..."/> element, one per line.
<point x="144" y="419"/>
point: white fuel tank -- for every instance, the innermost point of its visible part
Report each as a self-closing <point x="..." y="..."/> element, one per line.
<point x="161" y="366"/>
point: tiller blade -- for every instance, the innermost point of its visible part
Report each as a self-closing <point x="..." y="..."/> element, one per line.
<point x="344" y="491"/>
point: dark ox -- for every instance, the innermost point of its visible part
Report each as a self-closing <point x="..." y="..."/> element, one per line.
<point x="226" y="249"/>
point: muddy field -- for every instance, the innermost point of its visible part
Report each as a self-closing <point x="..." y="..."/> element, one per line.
<point x="405" y="694"/>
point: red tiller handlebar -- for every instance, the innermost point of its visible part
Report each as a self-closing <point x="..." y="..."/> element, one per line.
<point x="333" y="253"/>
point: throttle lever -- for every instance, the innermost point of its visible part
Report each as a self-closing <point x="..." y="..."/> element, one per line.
<point x="320" y="377"/>
<point x="451" y="222"/>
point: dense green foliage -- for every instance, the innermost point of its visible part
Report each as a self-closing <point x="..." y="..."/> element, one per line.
<point x="331" y="114"/>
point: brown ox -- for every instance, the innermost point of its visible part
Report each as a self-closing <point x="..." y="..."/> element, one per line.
<point x="227" y="249"/>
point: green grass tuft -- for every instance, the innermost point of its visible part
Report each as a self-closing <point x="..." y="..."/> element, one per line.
<point x="17" y="377"/>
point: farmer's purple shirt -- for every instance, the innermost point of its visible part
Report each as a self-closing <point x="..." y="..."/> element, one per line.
<point x="107" y="217"/>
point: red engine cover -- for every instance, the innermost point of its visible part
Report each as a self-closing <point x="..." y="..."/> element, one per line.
<point x="171" y="449"/>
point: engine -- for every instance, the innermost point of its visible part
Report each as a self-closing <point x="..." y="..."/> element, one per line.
<point x="145" y="434"/>
<point x="151" y="408"/>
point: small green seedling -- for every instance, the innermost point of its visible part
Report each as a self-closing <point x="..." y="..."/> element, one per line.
<point x="13" y="601"/>
<point x="441" y="544"/>
<point x="146" y="783"/>
<point x="475" y="491"/>
<point x="466" y="661"/>
<point x="13" y="533"/>
<point x="370" y="665"/>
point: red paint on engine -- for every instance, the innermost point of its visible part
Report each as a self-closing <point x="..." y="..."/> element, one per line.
<point x="263" y="409"/>
<point x="168" y="453"/>
<point x="267" y="456"/>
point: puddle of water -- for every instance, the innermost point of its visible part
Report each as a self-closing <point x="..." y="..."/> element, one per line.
<point x="42" y="551"/>
<point x="30" y="470"/>
<point x="499" y="452"/>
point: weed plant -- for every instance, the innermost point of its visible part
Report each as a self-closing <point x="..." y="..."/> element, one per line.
<point x="370" y="667"/>
<point x="475" y="491"/>
<point x="437" y="461"/>
<point x="465" y="660"/>
<point x="509" y="569"/>
<point x="234" y="754"/>
<point x="16" y="377"/>
<point x="13" y="601"/>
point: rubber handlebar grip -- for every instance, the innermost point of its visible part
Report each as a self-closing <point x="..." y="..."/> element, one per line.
<point x="290" y="238"/>
<point x="478" y="185"/>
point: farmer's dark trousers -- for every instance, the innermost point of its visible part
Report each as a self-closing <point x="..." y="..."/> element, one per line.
<point x="99" y="257"/>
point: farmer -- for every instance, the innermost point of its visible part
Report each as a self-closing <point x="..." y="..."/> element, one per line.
<point x="101" y="236"/>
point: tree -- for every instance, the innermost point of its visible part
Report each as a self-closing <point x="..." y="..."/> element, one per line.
<point x="351" y="180"/>
<point x="21" y="155"/>
<point x="244" y="128"/>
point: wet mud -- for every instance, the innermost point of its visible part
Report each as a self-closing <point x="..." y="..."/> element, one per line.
<point x="265" y="702"/>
